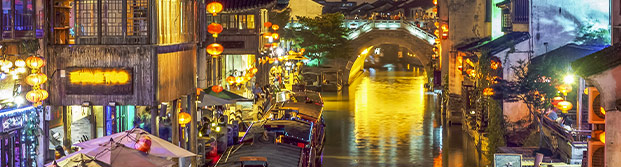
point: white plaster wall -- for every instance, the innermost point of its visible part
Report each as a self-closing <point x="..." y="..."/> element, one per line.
<point x="513" y="110"/>
<point x="557" y="21"/>
<point x="305" y="8"/>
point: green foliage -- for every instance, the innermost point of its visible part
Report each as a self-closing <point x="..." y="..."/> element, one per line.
<point x="323" y="36"/>
<point x="282" y="18"/>
<point x="588" y="35"/>
<point x="495" y="128"/>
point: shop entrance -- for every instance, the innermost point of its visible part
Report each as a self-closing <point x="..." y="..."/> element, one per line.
<point x="12" y="149"/>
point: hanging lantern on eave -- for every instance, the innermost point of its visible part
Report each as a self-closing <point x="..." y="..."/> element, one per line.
<point x="35" y="62"/>
<point x="564" y="106"/>
<point x="275" y="35"/>
<point x="275" y="27"/>
<point x="267" y="35"/>
<point x="36" y="79"/>
<point x="214" y="8"/>
<point x="556" y="100"/>
<point x="217" y="88"/>
<point x="20" y="63"/>
<point x="215" y="49"/>
<point x="36" y="96"/>
<point x="488" y="91"/>
<point x="254" y="70"/>
<point x="267" y="24"/>
<point x="230" y="80"/>
<point x="184" y="118"/>
<point x="215" y="29"/>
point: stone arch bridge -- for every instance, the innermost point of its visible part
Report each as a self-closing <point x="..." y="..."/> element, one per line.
<point x="368" y="33"/>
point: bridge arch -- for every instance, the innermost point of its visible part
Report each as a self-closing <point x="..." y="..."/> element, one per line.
<point x="395" y="32"/>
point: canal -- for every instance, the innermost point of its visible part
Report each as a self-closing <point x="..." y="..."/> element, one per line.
<point x="387" y="119"/>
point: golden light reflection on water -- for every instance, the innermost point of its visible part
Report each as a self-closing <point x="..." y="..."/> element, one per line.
<point x="387" y="119"/>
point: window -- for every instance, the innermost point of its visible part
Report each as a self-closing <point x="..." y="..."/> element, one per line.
<point x="250" y="21"/>
<point x="520" y="11"/>
<point x="507" y="25"/>
<point x="18" y="18"/>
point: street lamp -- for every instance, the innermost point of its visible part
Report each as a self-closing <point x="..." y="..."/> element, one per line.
<point x="569" y="79"/>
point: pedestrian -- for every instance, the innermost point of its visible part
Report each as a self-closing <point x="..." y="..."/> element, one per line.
<point x="257" y="92"/>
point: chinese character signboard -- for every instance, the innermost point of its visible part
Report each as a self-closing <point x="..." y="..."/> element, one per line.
<point x="99" y="81"/>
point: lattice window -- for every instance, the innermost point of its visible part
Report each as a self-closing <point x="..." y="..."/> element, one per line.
<point x="86" y="18"/>
<point x="112" y="17"/>
<point x="24" y="18"/>
<point x="137" y="17"/>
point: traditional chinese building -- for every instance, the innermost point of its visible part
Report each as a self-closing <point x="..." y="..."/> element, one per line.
<point x="119" y="64"/>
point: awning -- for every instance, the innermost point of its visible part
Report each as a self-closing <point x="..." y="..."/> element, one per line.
<point x="496" y="45"/>
<point x="225" y="94"/>
<point x="209" y="100"/>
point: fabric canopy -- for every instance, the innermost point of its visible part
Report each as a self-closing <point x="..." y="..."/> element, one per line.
<point x="159" y="146"/>
<point x="209" y="100"/>
<point x="225" y="94"/>
<point x="78" y="159"/>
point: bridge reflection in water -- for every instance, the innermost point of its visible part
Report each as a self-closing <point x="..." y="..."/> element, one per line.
<point x="386" y="119"/>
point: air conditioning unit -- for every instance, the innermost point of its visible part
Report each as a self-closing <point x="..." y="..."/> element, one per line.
<point x="596" y="152"/>
<point x="597" y="114"/>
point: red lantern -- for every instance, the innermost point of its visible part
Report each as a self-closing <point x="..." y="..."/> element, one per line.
<point x="556" y="100"/>
<point x="254" y="70"/>
<point x="35" y="62"/>
<point x="143" y="144"/>
<point x="215" y="29"/>
<point x="36" y="79"/>
<point x="215" y="49"/>
<point x="184" y="118"/>
<point x="214" y="8"/>
<point x="275" y="27"/>
<point x="564" y="106"/>
<point x="275" y="35"/>
<point x="230" y="80"/>
<point x="217" y="88"/>
<point x="267" y="24"/>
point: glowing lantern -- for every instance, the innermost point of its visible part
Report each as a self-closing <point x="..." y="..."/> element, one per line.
<point x="275" y="27"/>
<point x="35" y="62"/>
<point x="217" y="88"/>
<point x="488" y="91"/>
<point x="215" y="49"/>
<point x="143" y="144"/>
<point x="249" y="75"/>
<point x="471" y="72"/>
<point x="564" y="88"/>
<point x="20" y="63"/>
<point x="239" y="80"/>
<point x="602" y="137"/>
<point x="435" y="2"/>
<point x="302" y="50"/>
<point x="214" y="8"/>
<point x="556" y="100"/>
<point x="495" y="65"/>
<point x="444" y="31"/>
<point x="437" y="24"/>
<point x="7" y="64"/>
<point x="254" y="70"/>
<point x="230" y="80"/>
<point x="36" y="79"/>
<point x="267" y="35"/>
<point x="275" y="35"/>
<point x="564" y="106"/>
<point x="602" y="110"/>
<point x="267" y="24"/>
<point x="36" y="96"/>
<point x="184" y="118"/>
<point x="435" y="10"/>
<point x="215" y="29"/>
<point x="436" y="32"/>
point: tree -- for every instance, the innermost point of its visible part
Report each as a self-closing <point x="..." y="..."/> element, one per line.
<point x="323" y="36"/>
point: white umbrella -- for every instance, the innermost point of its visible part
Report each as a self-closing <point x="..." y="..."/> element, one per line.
<point x="159" y="146"/>
<point x="78" y="159"/>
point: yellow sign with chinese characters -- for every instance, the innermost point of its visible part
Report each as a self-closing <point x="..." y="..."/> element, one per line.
<point x="99" y="77"/>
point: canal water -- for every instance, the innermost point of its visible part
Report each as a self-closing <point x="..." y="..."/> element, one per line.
<point x="387" y="119"/>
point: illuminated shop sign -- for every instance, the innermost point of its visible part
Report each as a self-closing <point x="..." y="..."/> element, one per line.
<point x="99" y="81"/>
<point x="10" y="123"/>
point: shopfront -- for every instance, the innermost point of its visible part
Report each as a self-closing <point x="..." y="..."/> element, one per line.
<point x="239" y="66"/>
<point x="17" y="141"/>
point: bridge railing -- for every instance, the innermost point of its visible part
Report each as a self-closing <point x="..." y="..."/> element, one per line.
<point x="362" y="26"/>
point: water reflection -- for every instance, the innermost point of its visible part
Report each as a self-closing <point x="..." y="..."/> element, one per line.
<point x="386" y="119"/>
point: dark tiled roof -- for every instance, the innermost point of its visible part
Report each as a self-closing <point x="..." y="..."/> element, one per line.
<point x="599" y="61"/>
<point x="499" y="44"/>
<point x="244" y="5"/>
<point x="276" y="154"/>
<point x="564" y="55"/>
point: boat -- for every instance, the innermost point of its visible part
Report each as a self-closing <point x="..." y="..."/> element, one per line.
<point x="277" y="142"/>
